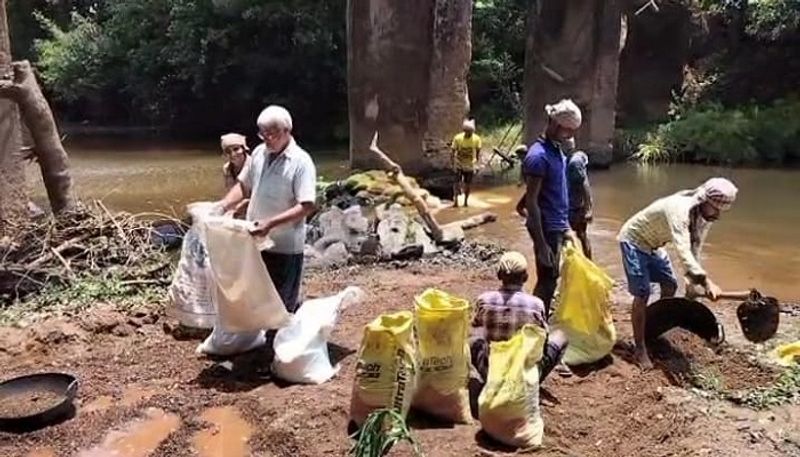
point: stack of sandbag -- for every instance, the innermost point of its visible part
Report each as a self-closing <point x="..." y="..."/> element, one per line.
<point x="243" y="294"/>
<point x="508" y="406"/>
<point x="386" y="372"/>
<point x="584" y="309"/>
<point x="190" y="290"/>
<point x="442" y="324"/>
<point x="301" y="348"/>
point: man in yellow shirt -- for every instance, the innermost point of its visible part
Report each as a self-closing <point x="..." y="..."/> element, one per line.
<point x="466" y="156"/>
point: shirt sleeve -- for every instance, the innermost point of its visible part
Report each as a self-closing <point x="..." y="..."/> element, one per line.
<point x="535" y="163"/>
<point x="305" y="183"/>
<point x="246" y="175"/>
<point x="678" y="220"/>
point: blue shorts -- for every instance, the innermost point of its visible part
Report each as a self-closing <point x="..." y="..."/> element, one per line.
<point x="643" y="268"/>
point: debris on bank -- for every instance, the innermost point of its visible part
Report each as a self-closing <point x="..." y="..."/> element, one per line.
<point x="88" y="242"/>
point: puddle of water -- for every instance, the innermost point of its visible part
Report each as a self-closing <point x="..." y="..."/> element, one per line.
<point x="101" y="403"/>
<point x="42" y="452"/>
<point x="139" y="438"/>
<point x="227" y="435"/>
<point x="133" y="395"/>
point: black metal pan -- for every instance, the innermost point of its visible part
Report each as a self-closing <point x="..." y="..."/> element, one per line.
<point x="35" y="401"/>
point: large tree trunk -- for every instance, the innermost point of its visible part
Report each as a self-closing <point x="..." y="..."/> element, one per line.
<point x="573" y="52"/>
<point x="12" y="171"/>
<point x="407" y="68"/>
<point x="20" y="86"/>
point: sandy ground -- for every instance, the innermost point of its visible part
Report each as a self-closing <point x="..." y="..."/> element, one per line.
<point x="144" y="392"/>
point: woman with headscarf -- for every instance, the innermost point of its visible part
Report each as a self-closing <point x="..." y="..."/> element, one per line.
<point x="236" y="154"/>
<point x="683" y="219"/>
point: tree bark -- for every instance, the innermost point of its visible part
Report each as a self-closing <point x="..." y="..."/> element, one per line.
<point x="12" y="172"/>
<point x="20" y="85"/>
<point x="572" y="51"/>
<point x="407" y="64"/>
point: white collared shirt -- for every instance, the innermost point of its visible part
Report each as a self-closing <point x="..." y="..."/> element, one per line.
<point x="275" y="187"/>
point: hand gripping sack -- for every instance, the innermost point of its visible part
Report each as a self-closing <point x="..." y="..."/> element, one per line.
<point x="243" y="293"/>
<point x="386" y="371"/>
<point x="301" y="348"/>
<point x="442" y="324"/>
<point x="508" y="406"/>
<point x="584" y="309"/>
<point x="190" y="290"/>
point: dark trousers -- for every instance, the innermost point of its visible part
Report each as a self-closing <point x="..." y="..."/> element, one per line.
<point x="547" y="276"/>
<point x="286" y="272"/>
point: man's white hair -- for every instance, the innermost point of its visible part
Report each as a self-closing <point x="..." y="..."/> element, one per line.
<point x="274" y="116"/>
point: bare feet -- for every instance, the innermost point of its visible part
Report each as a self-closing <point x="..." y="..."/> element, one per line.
<point x="643" y="360"/>
<point x="563" y="370"/>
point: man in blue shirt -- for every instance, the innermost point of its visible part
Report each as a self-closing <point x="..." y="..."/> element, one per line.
<point x="546" y="197"/>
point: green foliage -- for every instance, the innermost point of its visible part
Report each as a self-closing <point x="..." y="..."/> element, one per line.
<point x="83" y="293"/>
<point x="204" y="65"/>
<point x="773" y="19"/>
<point x="785" y="390"/>
<point x="70" y="60"/>
<point x="381" y="430"/>
<point x="498" y="58"/>
<point x="713" y="134"/>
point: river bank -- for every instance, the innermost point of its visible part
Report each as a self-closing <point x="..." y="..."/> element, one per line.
<point x="144" y="392"/>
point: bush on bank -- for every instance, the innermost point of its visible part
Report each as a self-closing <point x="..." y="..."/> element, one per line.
<point x="714" y="134"/>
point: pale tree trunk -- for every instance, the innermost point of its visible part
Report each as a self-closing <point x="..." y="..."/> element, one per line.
<point x="12" y="172"/>
<point x="572" y="52"/>
<point x="20" y="86"/>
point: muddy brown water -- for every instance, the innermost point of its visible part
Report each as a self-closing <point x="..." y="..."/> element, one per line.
<point x="754" y="245"/>
<point x="139" y="438"/>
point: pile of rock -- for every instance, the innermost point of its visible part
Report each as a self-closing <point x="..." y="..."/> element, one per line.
<point x="337" y="235"/>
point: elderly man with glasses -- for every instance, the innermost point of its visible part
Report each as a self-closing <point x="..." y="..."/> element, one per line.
<point x="280" y="180"/>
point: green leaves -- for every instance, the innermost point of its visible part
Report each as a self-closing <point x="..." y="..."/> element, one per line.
<point x="713" y="134"/>
<point x="381" y="430"/>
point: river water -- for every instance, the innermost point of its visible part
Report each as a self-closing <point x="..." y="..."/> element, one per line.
<point x="754" y="245"/>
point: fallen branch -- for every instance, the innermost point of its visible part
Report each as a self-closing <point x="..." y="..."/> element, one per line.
<point x="474" y="221"/>
<point x="395" y="173"/>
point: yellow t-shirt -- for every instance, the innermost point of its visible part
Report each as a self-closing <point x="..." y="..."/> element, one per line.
<point x="466" y="151"/>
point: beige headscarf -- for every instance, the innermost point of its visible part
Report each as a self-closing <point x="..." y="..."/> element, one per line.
<point x="719" y="192"/>
<point x="512" y="262"/>
<point x="566" y="113"/>
<point x="233" y="139"/>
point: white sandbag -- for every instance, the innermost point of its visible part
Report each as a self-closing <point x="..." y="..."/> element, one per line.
<point x="301" y="348"/>
<point x="190" y="290"/>
<point x="243" y="294"/>
<point x="225" y="343"/>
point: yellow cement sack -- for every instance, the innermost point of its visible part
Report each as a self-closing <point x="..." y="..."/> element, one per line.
<point x="442" y="324"/>
<point x="243" y="293"/>
<point x="508" y="406"/>
<point x="584" y="309"/>
<point x="386" y="372"/>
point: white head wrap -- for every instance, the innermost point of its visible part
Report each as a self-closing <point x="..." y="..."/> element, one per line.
<point x="233" y="139"/>
<point x="719" y="192"/>
<point x="566" y="113"/>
